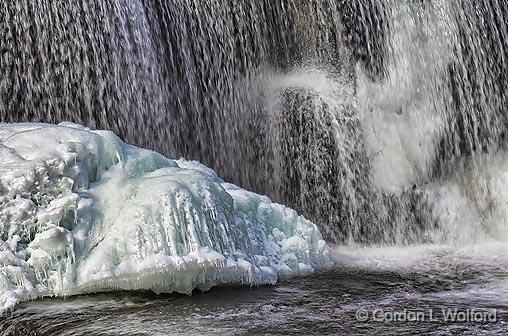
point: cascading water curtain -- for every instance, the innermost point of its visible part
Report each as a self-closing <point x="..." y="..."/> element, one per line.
<point x="349" y="111"/>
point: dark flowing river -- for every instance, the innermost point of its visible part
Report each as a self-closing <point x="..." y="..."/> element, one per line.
<point x="383" y="291"/>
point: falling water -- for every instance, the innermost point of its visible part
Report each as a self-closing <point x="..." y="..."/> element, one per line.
<point x="353" y="112"/>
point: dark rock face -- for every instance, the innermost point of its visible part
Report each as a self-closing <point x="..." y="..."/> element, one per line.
<point x="321" y="176"/>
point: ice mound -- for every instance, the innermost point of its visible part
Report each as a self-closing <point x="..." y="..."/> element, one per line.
<point x="82" y="212"/>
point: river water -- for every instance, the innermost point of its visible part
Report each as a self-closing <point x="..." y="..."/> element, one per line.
<point x="431" y="290"/>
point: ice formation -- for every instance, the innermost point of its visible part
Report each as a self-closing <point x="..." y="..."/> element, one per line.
<point x="82" y="212"/>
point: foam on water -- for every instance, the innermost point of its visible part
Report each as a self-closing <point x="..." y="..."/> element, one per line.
<point x="81" y="212"/>
<point x="421" y="258"/>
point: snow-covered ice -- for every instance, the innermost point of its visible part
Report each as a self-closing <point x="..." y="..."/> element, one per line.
<point x="82" y="212"/>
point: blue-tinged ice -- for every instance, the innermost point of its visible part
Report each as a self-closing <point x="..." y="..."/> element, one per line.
<point x="82" y="212"/>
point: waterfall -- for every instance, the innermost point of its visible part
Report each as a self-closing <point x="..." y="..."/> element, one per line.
<point x="380" y="120"/>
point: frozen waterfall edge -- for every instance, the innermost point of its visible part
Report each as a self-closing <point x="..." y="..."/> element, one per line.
<point x="83" y="212"/>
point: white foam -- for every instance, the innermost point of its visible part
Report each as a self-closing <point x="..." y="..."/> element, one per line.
<point x="404" y="113"/>
<point x="470" y="207"/>
<point x="82" y="212"/>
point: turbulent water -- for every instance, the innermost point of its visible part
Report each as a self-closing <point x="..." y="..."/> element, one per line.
<point x="382" y="121"/>
<point x="431" y="280"/>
